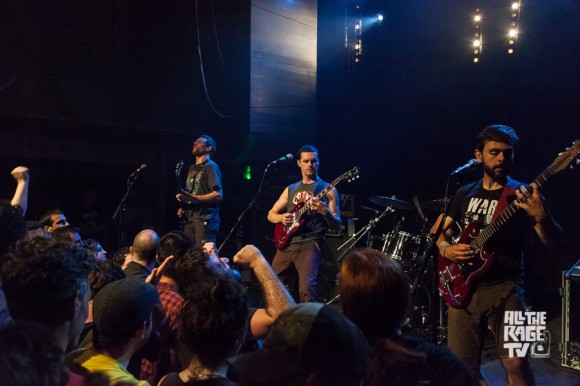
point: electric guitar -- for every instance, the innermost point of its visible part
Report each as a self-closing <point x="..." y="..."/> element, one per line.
<point x="456" y="280"/>
<point x="283" y="234"/>
<point x="178" y="168"/>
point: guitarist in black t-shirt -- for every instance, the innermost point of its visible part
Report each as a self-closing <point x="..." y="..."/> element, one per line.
<point x="498" y="285"/>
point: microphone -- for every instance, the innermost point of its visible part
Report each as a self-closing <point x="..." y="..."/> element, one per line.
<point x="471" y="164"/>
<point x="140" y="169"/>
<point x="287" y="157"/>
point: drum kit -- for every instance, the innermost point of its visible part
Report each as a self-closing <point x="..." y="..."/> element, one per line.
<point x="411" y="250"/>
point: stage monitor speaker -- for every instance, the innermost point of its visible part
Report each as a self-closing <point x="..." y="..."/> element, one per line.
<point x="570" y="343"/>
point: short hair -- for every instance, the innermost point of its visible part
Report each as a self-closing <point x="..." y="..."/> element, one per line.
<point x="175" y="243"/>
<point x="213" y="322"/>
<point x="12" y="226"/>
<point x="45" y="220"/>
<point x="374" y="292"/>
<point x="211" y="142"/>
<point x="30" y="356"/>
<point x="305" y="149"/>
<point x="497" y="133"/>
<point x="103" y="273"/>
<point x="40" y="276"/>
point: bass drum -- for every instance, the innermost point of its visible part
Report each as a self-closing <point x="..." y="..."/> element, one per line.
<point x="420" y="308"/>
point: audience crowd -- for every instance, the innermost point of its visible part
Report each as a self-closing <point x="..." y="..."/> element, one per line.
<point x="166" y="312"/>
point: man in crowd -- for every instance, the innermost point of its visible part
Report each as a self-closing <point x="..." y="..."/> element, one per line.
<point x="143" y="254"/>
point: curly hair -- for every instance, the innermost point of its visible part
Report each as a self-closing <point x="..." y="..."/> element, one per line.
<point x="103" y="273"/>
<point x="41" y="275"/>
<point x="194" y="268"/>
<point x="30" y="356"/>
<point x="213" y="322"/>
<point x="175" y="243"/>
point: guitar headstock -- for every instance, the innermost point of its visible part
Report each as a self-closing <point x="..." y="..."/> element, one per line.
<point x="178" y="168"/>
<point x="350" y="175"/>
<point x="565" y="158"/>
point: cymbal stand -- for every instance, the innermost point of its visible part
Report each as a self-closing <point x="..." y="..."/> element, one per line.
<point x="360" y="234"/>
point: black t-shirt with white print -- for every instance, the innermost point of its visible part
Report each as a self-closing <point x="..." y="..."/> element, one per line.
<point x="474" y="203"/>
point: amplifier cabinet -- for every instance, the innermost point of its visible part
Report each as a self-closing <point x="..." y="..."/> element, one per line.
<point x="570" y="344"/>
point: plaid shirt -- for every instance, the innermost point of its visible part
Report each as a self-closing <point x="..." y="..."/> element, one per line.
<point x="172" y="302"/>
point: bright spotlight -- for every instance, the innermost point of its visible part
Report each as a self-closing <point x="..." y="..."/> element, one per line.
<point x="513" y="33"/>
<point x="476" y="43"/>
<point x="477" y="18"/>
<point x="379" y="18"/>
<point x="515" y="5"/>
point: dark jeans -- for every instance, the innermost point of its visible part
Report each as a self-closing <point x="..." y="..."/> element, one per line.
<point x="203" y="231"/>
<point x="306" y="259"/>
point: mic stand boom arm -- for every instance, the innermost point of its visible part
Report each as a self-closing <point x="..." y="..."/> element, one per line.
<point x="121" y="208"/>
<point x="250" y="206"/>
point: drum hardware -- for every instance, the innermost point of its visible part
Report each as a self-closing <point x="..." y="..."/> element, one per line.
<point x="358" y="235"/>
<point x="420" y="307"/>
<point x="390" y="202"/>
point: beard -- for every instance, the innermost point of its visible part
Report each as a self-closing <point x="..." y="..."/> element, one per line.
<point x="496" y="173"/>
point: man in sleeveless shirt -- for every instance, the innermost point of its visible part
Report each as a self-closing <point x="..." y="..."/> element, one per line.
<point x="304" y="250"/>
<point x="203" y="192"/>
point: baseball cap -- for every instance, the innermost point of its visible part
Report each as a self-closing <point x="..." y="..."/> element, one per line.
<point x="309" y="336"/>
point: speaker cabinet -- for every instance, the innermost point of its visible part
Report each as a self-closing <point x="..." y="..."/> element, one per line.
<point x="570" y="344"/>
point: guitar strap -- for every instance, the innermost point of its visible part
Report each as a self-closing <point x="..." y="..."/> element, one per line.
<point x="503" y="202"/>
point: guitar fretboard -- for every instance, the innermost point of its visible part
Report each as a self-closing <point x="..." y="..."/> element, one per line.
<point x="488" y="232"/>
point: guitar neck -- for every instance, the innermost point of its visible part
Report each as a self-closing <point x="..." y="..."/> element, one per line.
<point x="323" y="193"/>
<point x="489" y="231"/>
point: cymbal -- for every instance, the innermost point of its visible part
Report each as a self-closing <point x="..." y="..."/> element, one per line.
<point x="390" y="201"/>
<point x="433" y="204"/>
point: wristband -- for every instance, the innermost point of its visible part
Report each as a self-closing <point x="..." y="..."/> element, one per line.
<point x="442" y="246"/>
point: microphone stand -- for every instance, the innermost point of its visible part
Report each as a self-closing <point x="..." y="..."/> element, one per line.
<point x="121" y="208"/>
<point x="250" y="206"/>
<point x="358" y="235"/>
<point x="440" y="331"/>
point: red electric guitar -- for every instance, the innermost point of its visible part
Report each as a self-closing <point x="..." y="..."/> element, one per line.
<point x="455" y="280"/>
<point x="283" y="234"/>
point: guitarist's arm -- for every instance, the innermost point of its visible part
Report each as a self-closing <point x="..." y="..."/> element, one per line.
<point x="331" y="213"/>
<point x="209" y="198"/>
<point x="546" y="228"/>
<point x="278" y="212"/>
<point x="455" y="253"/>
